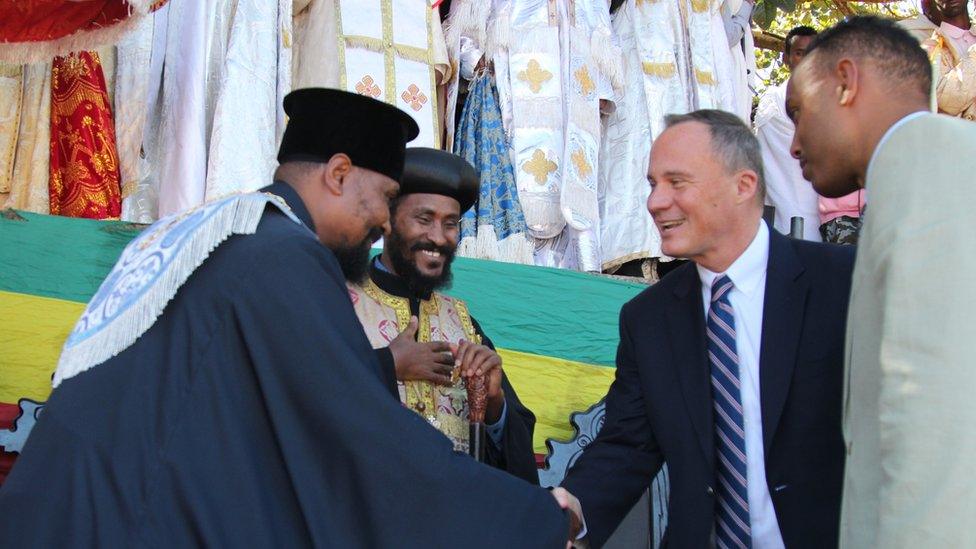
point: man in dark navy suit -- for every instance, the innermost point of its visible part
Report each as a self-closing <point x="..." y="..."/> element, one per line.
<point x="730" y="368"/>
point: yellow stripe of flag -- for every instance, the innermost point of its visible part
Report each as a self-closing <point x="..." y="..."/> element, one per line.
<point x="32" y="332"/>
<point x="553" y="388"/>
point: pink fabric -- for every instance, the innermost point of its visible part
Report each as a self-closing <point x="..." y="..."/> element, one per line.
<point x="961" y="39"/>
<point x="849" y="205"/>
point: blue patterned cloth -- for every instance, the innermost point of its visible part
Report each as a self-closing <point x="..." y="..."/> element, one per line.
<point x="480" y="139"/>
<point x="150" y="271"/>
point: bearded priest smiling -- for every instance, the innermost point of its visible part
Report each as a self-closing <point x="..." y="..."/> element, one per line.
<point x="426" y="341"/>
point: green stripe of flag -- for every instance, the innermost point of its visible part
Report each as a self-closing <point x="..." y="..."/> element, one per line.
<point x="547" y="312"/>
<point x="58" y="257"/>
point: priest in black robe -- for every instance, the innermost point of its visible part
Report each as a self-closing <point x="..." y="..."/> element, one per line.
<point x="252" y="411"/>
<point x="437" y="187"/>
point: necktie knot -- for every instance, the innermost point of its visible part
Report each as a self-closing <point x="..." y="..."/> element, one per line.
<point x="721" y="288"/>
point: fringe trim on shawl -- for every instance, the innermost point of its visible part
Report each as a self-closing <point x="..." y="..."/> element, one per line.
<point x="533" y="39"/>
<point x="497" y="34"/>
<point x="241" y="218"/>
<point x="468" y="18"/>
<point x="369" y="43"/>
<point x="517" y="248"/>
<point x="35" y="52"/>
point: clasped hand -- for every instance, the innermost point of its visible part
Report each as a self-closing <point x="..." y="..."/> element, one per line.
<point x="435" y="361"/>
<point x="571" y="505"/>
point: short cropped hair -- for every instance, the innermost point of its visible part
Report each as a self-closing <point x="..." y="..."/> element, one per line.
<point x="801" y="30"/>
<point x="732" y="140"/>
<point x="895" y="52"/>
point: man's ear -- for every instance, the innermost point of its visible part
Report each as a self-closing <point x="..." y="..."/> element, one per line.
<point x="336" y="174"/>
<point x="747" y="186"/>
<point x="847" y="74"/>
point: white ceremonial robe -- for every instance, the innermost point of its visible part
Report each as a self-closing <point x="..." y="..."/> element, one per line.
<point x="135" y="100"/>
<point x="654" y="45"/>
<point x="743" y="55"/>
<point x="391" y="50"/>
<point x="211" y="89"/>
<point x="554" y="61"/>
<point x="710" y="60"/>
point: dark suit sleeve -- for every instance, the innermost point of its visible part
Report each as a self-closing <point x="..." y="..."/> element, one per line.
<point x="516" y="455"/>
<point x="620" y="464"/>
<point x="388" y="370"/>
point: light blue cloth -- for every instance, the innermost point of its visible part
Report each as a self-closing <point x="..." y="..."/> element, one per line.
<point x="150" y="271"/>
<point x="480" y="139"/>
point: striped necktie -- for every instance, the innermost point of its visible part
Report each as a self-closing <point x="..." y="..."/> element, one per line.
<point x="732" y="505"/>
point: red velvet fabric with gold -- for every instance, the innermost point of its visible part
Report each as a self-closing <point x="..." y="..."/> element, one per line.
<point x="84" y="162"/>
<point x="41" y="20"/>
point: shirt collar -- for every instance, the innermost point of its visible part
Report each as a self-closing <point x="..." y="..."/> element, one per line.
<point x="392" y="283"/>
<point x="953" y="31"/>
<point x="379" y="265"/>
<point x="905" y="119"/>
<point x="749" y="269"/>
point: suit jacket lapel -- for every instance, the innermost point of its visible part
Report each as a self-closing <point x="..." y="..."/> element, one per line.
<point x="686" y="322"/>
<point x="783" y="310"/>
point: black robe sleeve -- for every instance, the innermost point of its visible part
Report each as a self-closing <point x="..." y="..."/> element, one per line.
<point x="388" y="369"/>
<point x="367" y="471"/>
<point x="516" y="454"/>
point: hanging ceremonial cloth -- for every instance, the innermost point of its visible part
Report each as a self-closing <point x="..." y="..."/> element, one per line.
<point x="27" y="145"/>
<point x="442" y="318"/>
<point x="84" y="180"/>
<point x="702" y="71"/>
<point x="494" y="228"/>
<point x="663" y="60"/>
<point x="559" y="62"/>
<point x="587" y="25"/>
<point x="11" y="104"/>
<point x="534" y="77"/>
<point x="386" y="51"/>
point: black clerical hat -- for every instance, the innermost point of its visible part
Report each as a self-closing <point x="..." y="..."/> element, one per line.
<point x="324" y="122"/>
<point x="438" y="172"/>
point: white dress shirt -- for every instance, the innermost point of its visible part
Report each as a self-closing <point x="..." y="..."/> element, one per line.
<point x="748" y="275"/>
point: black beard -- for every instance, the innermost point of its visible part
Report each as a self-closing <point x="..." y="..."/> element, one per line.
<point x="354" y="260"/>
<point x="419" y="284"/>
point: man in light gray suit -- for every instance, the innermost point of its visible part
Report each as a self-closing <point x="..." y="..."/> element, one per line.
<point x="860" y="100"/>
